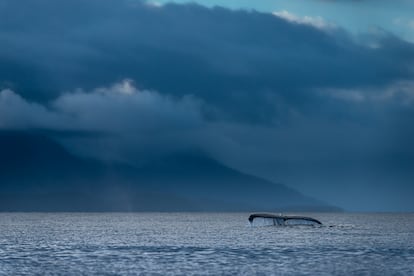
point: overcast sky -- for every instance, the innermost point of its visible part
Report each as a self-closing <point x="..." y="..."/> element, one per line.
<point x="357" y="16"/>
<point x="318" y="95"/>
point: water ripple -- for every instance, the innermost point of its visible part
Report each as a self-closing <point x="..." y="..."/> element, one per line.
<point x="203" y="244"/>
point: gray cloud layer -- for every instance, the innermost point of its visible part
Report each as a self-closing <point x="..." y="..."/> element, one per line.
<point x="295" y="103"/>
<point x="228" y="58"/>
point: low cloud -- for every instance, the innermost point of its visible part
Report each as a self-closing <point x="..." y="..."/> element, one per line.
<point x="116" y="108"/>
<point x="317" y="22"/>
<point x="129" y="121"/>
<point x="308" y="152"/>
<point x="400" y="93"/>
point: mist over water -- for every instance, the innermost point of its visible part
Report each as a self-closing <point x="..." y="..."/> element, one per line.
<point x="203" y="243"/>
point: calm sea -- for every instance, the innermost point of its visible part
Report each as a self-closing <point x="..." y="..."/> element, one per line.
<point x="203" y="244"/>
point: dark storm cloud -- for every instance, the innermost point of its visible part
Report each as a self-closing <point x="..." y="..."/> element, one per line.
<point x="239" y="62"/>
<point x="282" y="99"/>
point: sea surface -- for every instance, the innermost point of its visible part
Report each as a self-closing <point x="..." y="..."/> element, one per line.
<point x="203" y="244"/>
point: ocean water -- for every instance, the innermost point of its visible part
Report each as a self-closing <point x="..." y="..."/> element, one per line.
<point x="203" y="244"/>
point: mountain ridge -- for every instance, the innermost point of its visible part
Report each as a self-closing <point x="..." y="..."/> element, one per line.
<point x="38" y="174"/>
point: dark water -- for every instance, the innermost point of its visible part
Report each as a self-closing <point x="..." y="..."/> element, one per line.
<point x="193" y="243"/>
